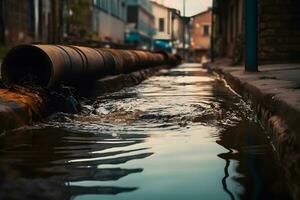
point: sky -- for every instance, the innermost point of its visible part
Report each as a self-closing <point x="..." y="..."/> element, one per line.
<point x="192" y="6"/>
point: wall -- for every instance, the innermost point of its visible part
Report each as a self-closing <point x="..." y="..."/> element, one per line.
<point x="279" y="31"/>
<point x="162" y="12"/>
<point x="140" y="24"/>
<point x="31" y="21"/>
<point x="18" y="21"/>
<point x="145" y="23"/>
<point x="198" y="39"/>
<point x="177" y="32"/>
<point x="229" y="32"/>
<point x="108" y="20"/>
<point x="108" y="28"/>
<point x="140" y="14"/>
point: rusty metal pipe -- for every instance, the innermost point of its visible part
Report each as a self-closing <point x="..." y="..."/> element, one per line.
<point x="50" y="65"/>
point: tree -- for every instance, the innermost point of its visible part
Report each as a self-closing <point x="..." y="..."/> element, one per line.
<point x="78" y="17"/>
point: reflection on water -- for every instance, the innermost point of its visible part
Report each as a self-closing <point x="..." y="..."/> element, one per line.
<point x="179" y="135"/>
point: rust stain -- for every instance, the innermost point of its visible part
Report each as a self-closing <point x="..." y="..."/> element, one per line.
<point x="18" y="107"/>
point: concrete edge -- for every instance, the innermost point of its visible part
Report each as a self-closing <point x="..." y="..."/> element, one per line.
<point x="273" y="114"/>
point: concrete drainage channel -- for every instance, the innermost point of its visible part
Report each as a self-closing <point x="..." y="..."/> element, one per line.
<point x="41" y="79"/>
<point x="278" y="116"/>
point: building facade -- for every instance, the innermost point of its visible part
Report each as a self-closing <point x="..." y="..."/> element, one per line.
<point x="56" y="21"/>
<point x="94" y="22"/>
<point x="229" y="29"/>
<point x="278" y="41"/>
<point x="278" y="31"/>
<point x="109" y="21"/>
<point x="30" y="21"/>
<point x="162" y="40"/>
<point x="200" y="35"/>
<point x="140" y="24"/>
<point x="177" y="32"/>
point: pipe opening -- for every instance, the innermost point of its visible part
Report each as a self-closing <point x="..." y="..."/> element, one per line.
<point x="27" y="66"/>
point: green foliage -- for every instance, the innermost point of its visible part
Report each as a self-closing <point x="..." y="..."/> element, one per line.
<point x="78" y="19"/>
<point x="3" y="51"/>
<point x="80" y="14"/>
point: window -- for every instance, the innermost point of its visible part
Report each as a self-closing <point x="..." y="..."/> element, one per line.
<point x="161" y="23"/>
<point x="205" y="30"/>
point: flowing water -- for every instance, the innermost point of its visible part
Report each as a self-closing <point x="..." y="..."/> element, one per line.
<point x="181" y="134"/>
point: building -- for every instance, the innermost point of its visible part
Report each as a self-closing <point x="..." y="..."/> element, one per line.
<point x="187" y="27"/>
<point x="229" y="29"/>
<point x="2" y="38"/>
<point x="162" y="40"/>
<point x="109" y="21"/>
<point x="140" y="24"/>
<point x="278" y="31"/>
<point x="30" y="21"/>
<point x="278" y="42"/>
<point x="169" y="27"/>
<point x="177" y="32"/>
<point x="57" y="21"/>
<point x="94" y="22"/>
<point x="200" y="35"/>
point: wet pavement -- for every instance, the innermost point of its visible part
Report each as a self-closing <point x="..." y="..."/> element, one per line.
<point x="182" y="134"/>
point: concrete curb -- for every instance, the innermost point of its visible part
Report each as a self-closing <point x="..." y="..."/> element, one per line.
<point x="20" y="108"/>
<point x="277" y="104"/>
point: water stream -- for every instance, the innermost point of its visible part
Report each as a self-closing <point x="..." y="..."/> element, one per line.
<point x="179" y="135"/>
